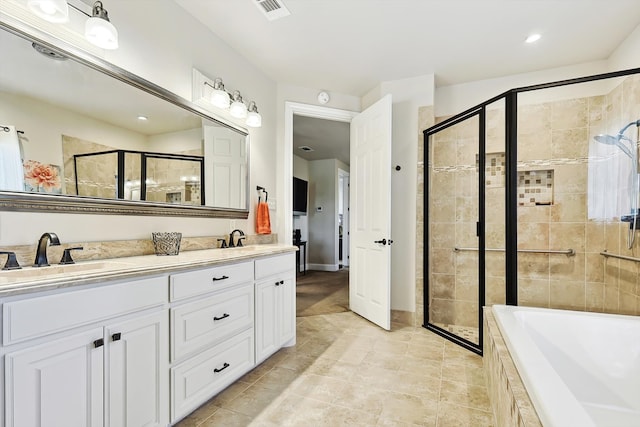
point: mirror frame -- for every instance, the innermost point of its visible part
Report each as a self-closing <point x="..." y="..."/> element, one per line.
<point x="44" y="203"/>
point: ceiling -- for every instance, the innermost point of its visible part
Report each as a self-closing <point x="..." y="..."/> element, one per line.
<point x="328" y="139"/>
<point x="350" y="46"/>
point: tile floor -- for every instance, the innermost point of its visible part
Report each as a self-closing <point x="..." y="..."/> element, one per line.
<point x="344" y="371"/>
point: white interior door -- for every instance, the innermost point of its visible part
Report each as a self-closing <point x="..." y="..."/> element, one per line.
<point x="369" y="275"/>
<point x="225" y="168"/>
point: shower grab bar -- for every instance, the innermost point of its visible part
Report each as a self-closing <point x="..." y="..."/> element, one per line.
<point x="628" y="258"/>
<point x="568" y="252"/>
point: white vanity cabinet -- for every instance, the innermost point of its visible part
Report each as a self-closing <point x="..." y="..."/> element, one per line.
<point x="275" y="304"/>
<point x="89" y="357"/>
<point x="212" y="341"/>
<point x="145" y="351"/>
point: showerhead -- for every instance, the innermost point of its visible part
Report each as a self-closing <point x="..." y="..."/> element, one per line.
<point x="614" y="140"/>
<point x="607" y="139"/>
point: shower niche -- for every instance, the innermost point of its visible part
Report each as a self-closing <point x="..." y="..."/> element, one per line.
<point x="535" y="187"/>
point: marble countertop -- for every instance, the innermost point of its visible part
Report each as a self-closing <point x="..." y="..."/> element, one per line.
<point x="32" y="279"/>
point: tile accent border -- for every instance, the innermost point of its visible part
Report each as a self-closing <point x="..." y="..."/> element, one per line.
<point x="124" y="248"/>
<point x="509" y="399"/>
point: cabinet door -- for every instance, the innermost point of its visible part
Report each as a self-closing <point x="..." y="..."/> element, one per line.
<point x="138" y="387"/>
<point x="56" y="384"/>
<point x="286" y="311"/>
<point x="266" y="326"/>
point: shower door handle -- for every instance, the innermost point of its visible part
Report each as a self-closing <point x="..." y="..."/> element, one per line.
<point x="382" y="242"/>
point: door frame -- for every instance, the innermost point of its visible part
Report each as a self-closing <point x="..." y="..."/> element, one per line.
<point x="346" y="176"/>
<point x="306" y="110"/>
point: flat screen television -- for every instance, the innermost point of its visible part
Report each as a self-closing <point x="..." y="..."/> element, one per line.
<point x="299" y="196"/>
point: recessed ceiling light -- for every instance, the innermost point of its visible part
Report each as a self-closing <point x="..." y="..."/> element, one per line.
<point x="305" y="148"/>
<point x="533" y="38"/>
<point x="143" y="118"/>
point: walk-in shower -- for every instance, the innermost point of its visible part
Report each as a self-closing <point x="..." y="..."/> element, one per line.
<point x="525" y="205"/>
<point x="620" y="140"/>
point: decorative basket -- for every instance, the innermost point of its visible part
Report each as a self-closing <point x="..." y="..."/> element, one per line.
<point x="166" y="243"/>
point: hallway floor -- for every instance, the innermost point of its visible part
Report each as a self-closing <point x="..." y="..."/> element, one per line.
<point x="344" y="371"/>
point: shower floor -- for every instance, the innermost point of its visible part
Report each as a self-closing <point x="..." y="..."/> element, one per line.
<point x="469" y="333"/>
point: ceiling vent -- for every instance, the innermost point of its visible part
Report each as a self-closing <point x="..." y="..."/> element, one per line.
<point x="272" y="9"/>
<point x="305" y="148"/>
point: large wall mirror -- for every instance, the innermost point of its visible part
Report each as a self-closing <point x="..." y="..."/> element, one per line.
<point x="80" y="135"/>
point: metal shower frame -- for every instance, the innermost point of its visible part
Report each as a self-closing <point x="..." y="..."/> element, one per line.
<point x="510" y="99"/>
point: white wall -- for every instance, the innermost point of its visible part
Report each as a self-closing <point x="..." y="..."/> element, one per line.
<point x="626" y="55"/>
<point x="44" y="125"/>
<point x="163" y="50"/>
<point x="323" y="225"/>
<point x="407" y="96"/>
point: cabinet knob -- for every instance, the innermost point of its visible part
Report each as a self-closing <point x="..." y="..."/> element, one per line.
<point x="215" y="279"/>
<point x="281" y="282"/>
<point x="224" y="316"/>
<point x="225" y="366"/>
<point x="116" y="337"/>
<point x="98" y="343"/>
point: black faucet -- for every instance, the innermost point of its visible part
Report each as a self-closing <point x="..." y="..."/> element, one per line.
<point x="233" y="245"/>
<point x="41" y="253"/>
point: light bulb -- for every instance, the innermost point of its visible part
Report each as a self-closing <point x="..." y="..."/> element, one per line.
<point x="99" y="31"/>
<point x="254" y="119"/>
<point x="238" y="109"/>
<point x="50" y="10"/>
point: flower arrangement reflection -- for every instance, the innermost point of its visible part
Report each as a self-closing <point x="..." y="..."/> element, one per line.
<point x="42" y="178"/>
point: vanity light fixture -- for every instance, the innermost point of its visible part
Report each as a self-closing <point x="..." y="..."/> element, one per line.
<point x="98" y="30"/>
<point x="254" y="119"/>
<point x="50" y="10"/>
<point x="233" y="102"/>
<point x="238" y="109"/>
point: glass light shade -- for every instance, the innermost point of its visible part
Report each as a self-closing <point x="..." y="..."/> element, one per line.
<point x="220" y="98"/>
<point x="254" y="119"/>
<point x="51" y="10"/>
<point x="238" y="109"/>
<point x="101" y="33"/>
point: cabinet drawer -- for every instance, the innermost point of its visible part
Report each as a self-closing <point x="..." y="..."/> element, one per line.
<point x="199" y="378"/>
<point x="39" y="316"/>
<point x="266" y="267"/>
<point x="201" y="323"/>
<point x="185" y="285"/>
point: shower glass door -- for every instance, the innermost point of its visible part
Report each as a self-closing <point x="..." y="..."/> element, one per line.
<point x="454" y="210"/>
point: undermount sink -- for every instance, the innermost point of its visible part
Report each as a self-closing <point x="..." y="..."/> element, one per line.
<point x="34" y="273"/>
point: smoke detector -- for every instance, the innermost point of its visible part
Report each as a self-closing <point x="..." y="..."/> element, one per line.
<point x="272" y="9"/>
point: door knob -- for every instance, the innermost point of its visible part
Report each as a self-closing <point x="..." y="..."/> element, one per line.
<point x="383" y="241"/>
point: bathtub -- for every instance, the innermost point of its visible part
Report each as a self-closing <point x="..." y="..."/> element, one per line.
<point x="579" y="369"/>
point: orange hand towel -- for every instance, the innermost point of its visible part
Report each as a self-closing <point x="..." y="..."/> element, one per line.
<point x="263" y="223"/>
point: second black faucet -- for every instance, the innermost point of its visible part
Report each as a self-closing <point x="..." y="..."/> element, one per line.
<point x="239" y="241"/>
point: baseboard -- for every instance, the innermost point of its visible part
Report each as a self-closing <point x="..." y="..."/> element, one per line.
<point x="323" y="267"/>
<point x="404" y="317"/>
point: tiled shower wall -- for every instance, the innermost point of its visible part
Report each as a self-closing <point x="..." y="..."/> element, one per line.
<point x="551" y="136"/>
<point x="102" y="172"/>
<point x="425" y="120"/>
